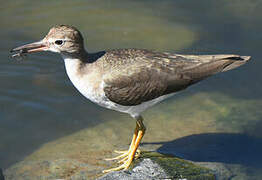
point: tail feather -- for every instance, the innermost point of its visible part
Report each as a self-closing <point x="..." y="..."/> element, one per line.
<point x="235" y="61"/>
<point x="212" y="64"/>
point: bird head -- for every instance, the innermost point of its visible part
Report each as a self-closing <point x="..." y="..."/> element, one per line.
<point x="62" y="39"/>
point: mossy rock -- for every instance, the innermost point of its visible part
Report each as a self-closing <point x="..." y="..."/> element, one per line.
<point x="180" y="168"/>
<point x="153" y="165"/>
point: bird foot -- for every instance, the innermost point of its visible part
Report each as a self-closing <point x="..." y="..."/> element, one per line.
<point x="124" y="155"/>
<point x="127" y="160"/>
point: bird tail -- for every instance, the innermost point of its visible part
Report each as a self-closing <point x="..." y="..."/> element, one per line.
<point x="208" y="65"/>
<point x="234" y="62"/>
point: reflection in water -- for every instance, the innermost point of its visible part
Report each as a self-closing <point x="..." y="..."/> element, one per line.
<point x="38" y="103"/>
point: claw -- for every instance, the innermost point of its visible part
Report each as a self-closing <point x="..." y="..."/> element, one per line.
<point x="124" y="166"/>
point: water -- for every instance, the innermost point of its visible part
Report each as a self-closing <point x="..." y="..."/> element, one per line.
<point x="38" y="103"/>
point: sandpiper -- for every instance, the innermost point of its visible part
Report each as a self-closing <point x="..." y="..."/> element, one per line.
<point x="128" y="80"/>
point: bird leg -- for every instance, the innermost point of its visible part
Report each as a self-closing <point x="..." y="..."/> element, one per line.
<point x="125" y="153"/>
<point x="128" y="156"/>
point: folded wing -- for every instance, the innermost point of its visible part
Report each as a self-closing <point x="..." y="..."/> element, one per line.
<point x="148" y="75"/>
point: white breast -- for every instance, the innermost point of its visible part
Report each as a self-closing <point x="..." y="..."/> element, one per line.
<point x="84" y="83"/>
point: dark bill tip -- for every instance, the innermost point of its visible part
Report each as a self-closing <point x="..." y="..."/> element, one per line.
<point x="16" y="49"/>
<point x="29" y="48"/>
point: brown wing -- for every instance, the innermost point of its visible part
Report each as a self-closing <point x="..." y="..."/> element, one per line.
<point x="142" y="86"/>
<point x="146" y="75"/>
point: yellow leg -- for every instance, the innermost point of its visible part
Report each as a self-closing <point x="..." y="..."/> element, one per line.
<point x="124" y="154"/>
<point x="129" y="155"/>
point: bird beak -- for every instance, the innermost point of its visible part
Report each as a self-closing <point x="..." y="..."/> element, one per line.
<point x="32" y="47"/>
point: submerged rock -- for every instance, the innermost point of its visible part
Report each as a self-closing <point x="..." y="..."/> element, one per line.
<point x="150" y="165"/>
<point x="57" y="169"/>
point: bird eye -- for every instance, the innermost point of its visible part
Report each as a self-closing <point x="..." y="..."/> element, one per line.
<point x="59" y="42"/>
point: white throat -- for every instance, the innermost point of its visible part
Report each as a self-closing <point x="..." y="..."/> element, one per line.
<point x="71" y="65"/>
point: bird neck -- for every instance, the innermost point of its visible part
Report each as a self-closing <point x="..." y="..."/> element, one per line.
<point x="76" y="62"/>
<point x="81" y="55"/>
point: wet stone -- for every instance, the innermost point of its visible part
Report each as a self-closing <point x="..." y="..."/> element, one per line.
<point x="153" y="165"/>
<point x="146" y="169"/>
<point x="150" y="165"/>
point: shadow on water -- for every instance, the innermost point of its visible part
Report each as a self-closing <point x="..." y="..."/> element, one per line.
<point x="216" y="147"/>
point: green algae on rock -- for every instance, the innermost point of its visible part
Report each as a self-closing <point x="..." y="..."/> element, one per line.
<point x="177" y="168"/>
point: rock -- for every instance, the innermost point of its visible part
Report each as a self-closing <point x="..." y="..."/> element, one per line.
<point x="150" y="165"/>
<point x="153" y="165"/>
<point x="147" y="169"/>
<point x="221" y="171"/>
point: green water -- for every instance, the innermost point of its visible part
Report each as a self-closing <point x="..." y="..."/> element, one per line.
<point x="38" y="103"/>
